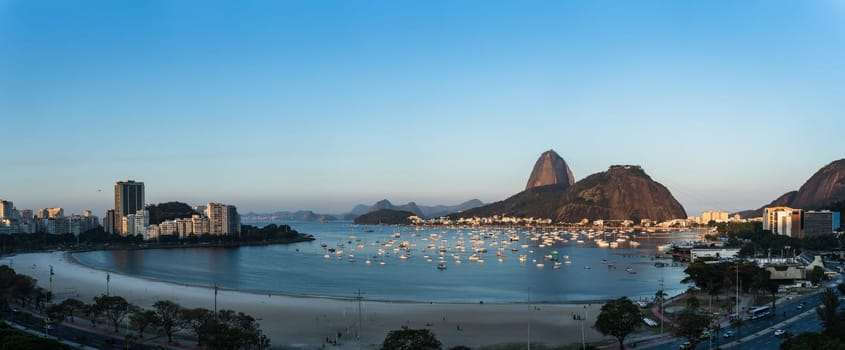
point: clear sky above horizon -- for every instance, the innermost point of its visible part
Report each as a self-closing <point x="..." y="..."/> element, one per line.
<point x="321" y="105"/>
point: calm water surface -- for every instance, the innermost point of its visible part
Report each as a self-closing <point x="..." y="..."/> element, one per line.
<point x="303" y="269"/>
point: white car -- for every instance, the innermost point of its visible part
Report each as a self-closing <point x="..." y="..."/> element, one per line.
<point x="728" y="334"/>
<point x="780" y="332"/>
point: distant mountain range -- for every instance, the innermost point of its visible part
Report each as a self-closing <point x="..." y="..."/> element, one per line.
<point x="418" y="210"/>
<point x="361" y="209"/>
<point x="822" y="189"/>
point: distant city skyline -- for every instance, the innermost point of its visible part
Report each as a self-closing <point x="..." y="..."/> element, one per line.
<point x="324" y="105"/>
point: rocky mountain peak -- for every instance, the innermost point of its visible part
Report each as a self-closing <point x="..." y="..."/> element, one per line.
<point x="825" y="186"/>
<point x="550" y="169"/>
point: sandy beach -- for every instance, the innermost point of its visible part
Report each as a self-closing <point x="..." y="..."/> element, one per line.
<point x="306" y="323"/>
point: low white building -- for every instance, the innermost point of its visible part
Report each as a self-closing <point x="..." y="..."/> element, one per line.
<point x="713" y="253"/>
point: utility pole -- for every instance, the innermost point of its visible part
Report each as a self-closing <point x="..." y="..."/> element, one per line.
<point x="215" y="301"/>
<point x="583" y="339"/>
<point x="51" y="279"/>
<point x="108" y="279"/>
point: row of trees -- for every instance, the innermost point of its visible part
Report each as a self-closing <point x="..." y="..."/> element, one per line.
<point x="224" y="329"/>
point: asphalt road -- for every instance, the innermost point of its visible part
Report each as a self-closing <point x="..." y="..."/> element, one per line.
<point x="808" y="322"/>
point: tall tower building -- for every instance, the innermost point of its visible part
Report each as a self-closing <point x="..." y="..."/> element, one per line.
<point x="128" y="199"/>
<point x="6" y="209"/>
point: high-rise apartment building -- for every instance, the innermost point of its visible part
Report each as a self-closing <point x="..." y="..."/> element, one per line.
<point x="109" y="223"/>
<point x="223" y="219"/>
<point x="6" y="209"/>
<point x="128" y="199"/>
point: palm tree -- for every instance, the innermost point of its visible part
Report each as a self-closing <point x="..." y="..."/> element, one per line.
<point x="660" y="296"/>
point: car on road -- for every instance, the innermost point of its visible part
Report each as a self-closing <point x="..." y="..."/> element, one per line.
<point x="780" y="332"/>
<point x="704" y="335"/>
<point x="799" y="307"/>
<point x="685" y="346"/>
<point x="728" y="334"/>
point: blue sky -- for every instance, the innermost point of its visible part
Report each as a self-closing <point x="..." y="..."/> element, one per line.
<point x="282" y="105"/>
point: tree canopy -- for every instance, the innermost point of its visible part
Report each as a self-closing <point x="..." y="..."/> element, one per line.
<point x="410" y="339"/>
<point x="618" y="318"/>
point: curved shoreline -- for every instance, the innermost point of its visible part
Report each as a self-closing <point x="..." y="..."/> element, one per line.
<point x="69" y="256"/>
<point x="305" y="322"/>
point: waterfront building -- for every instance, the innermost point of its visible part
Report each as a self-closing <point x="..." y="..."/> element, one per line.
<point x="142" y="220"/>
<point x="223" y="219"/>
<point x="717" y="216"/>
<point x="127" y="224"/>
<point x="153" y="231"/>
<point x="26" y="214"/>
<point x="201" y="224"/>
<point x="167" y="227"/>
<point x="128" y="199"/>
<point x="184" y="227"/>
<point x="109" y="223"/>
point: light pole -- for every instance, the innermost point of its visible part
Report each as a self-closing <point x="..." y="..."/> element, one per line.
<point x="360" y="298"/>
<point x="529" y="318"/>
<point x="108" y="279"/>
<point x="583" y="339"/>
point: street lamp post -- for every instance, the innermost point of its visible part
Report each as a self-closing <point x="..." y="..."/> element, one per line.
<point x="108" y="279"/>
<point x="583" y="339"/>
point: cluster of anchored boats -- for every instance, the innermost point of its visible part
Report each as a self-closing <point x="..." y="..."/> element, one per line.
<point x="474" y="246"/>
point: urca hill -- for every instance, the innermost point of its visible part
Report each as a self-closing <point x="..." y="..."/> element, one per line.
<point x="623" y="192"/>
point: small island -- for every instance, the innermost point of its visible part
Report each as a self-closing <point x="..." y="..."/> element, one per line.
<point x="385" y="217"/>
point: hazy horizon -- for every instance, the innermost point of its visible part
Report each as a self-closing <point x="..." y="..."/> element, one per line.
<point x="323" y="105"/>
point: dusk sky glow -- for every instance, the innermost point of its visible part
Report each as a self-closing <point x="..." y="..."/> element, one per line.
<point x="321" y="105"/>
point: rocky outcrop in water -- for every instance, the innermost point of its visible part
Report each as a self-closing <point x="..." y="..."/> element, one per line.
<point x="385" y="217"/>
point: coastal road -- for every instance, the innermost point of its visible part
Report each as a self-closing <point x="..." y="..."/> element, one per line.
<point x="807" y="321"/>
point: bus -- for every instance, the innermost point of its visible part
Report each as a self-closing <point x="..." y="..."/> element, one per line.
<point x="759" y="312"/>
